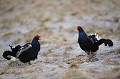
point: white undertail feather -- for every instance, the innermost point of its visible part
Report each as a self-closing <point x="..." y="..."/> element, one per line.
<point x="91" y="34"/>
<point x="97" y="37"/>
<point x="13" y="47"/>
<point x="12" y="60"/>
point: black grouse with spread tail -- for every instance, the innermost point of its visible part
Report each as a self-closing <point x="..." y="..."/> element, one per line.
<point x="25" y="53"/>
<point x="90" y="44"/>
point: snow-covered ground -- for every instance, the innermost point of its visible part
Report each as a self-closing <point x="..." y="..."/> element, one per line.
<point x="56" y="20"/>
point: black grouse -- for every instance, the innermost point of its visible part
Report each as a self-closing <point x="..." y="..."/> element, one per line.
<point x="90" y="44"/>
<point x="25" y="53"/>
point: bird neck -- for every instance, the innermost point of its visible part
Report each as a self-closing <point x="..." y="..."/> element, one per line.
<point x="82" y="35"/>
<point x="35" y="42"/>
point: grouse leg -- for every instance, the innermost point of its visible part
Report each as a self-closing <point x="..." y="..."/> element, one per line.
<point x="92" y="56"/>
<point x="88" y="55"/>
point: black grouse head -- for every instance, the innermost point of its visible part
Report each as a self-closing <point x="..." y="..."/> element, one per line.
<point x="79" y="28"/>
<point x="37" y="37"/>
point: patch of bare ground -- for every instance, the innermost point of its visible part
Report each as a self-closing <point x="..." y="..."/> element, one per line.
<point x="74" y="74"/>
<point x="113" y="74"/>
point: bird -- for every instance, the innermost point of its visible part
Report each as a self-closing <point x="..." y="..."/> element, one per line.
<point x="25" y="53"/>
<point x="90" y="43"/>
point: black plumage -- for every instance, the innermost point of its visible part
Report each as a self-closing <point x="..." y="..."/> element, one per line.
<point x="90" y="44"/>
<point x="25" y="53"/>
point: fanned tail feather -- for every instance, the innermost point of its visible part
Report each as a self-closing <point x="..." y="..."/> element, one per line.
<point x="108" y="42"/>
